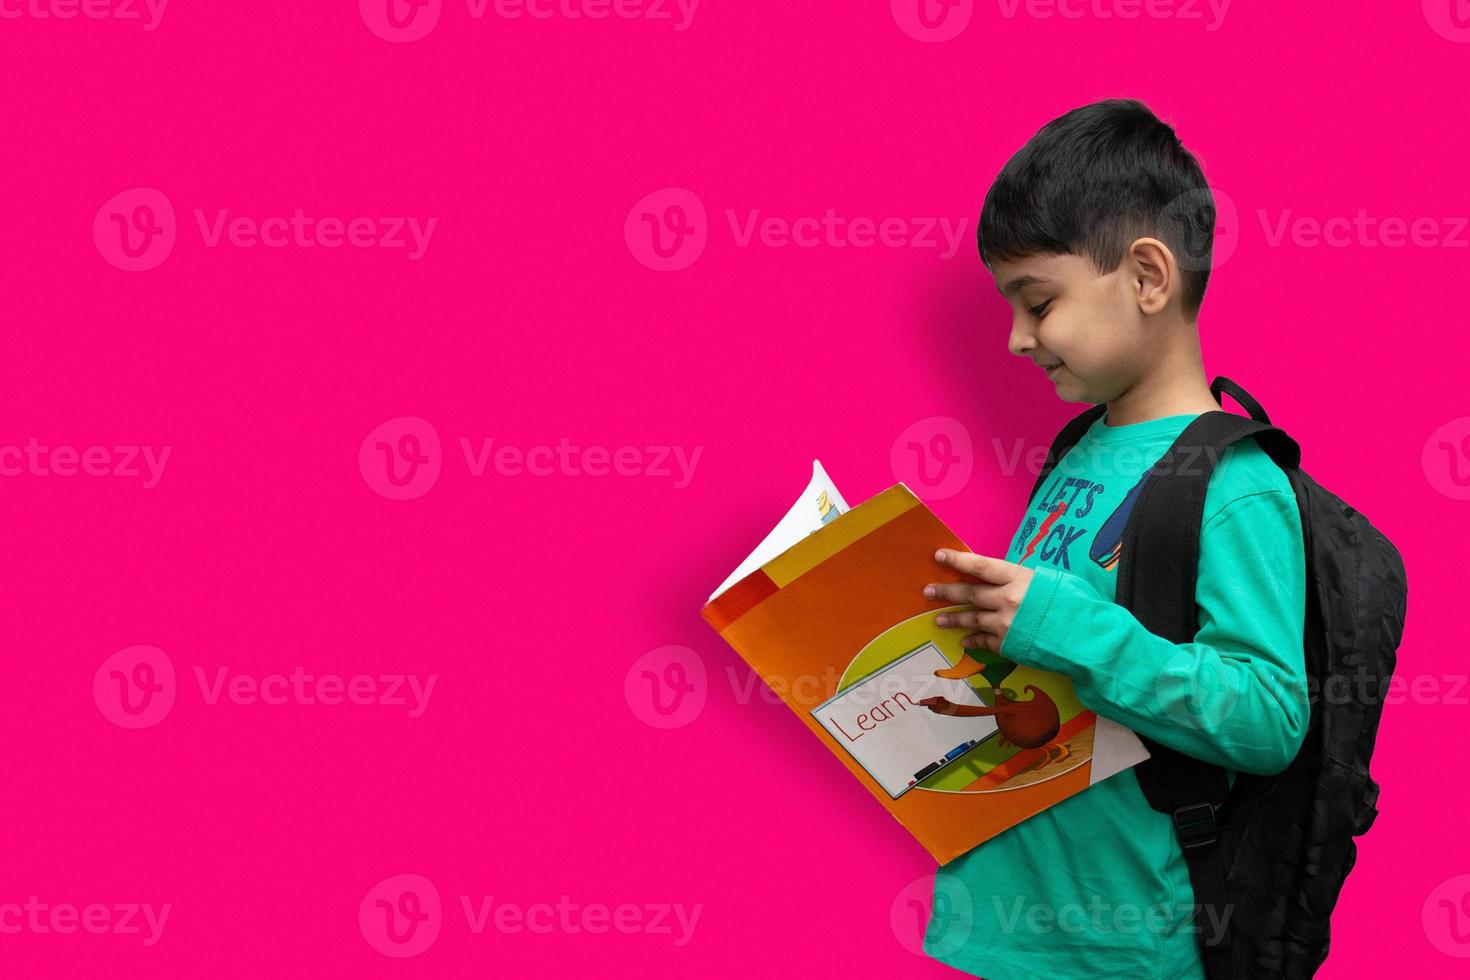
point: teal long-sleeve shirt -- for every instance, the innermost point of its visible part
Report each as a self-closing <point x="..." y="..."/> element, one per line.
<point x="1096" y="886"/>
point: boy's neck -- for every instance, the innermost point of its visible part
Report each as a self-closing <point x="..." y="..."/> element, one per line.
<point x="1173" y="385"/>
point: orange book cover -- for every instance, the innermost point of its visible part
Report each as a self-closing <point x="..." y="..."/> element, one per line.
<point x="830" y="613"/>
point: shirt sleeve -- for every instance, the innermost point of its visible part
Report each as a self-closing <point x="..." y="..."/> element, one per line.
<point x="1236" y="696"/>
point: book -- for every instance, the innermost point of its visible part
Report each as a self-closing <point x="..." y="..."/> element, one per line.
<point x="829" y="612"/>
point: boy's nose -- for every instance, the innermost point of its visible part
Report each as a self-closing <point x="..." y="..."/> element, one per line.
<point x="1021" y="343"/>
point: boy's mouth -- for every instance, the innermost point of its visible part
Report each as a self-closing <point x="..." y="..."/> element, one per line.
<point x="1051" y="368"/>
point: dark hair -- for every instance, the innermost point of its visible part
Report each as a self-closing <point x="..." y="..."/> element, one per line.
<point x="1091" y="182"/>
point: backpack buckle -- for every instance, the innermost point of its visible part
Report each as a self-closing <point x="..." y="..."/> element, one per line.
<point x="1195" y="825"/>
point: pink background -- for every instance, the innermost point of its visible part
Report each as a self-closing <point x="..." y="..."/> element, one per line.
<point x="538" y="769"/>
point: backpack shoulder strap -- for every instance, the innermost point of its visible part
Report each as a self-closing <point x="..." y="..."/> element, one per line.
<point x="1243" y="397"/>
<point x="1159" y="561"/>
<point x="1157" y="575"/>
<point x="1070" y="435"/>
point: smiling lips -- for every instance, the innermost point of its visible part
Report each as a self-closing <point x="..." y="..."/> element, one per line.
<point x="1051" y="368"/>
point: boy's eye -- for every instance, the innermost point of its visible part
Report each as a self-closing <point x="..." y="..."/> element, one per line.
<point x="1039" y="311"/>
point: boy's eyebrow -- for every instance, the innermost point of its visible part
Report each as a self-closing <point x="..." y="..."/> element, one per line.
<point x="1020" y="282"/>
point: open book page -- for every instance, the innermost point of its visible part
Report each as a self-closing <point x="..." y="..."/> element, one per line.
<point x="820" y="503"/>
<point x="957" y="744"/>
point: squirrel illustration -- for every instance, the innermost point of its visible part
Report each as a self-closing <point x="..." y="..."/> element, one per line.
<point x="1028" y="724"/>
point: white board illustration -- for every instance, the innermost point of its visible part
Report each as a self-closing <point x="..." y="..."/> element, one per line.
<point x="897" y="740"/>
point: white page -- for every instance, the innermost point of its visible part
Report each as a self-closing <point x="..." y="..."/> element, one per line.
<point x="804" y="517"/>
<point x="881" y="724"/>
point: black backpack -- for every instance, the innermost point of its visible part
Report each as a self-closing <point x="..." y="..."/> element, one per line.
<point x="1272" y="852"/>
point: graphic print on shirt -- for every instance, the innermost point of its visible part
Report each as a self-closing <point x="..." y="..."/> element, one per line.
<point x="1107" y="544"/>
<point x="1056" y="538"/>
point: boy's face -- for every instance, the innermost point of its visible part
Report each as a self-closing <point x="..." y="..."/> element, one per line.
<point x="1063" y="311"/>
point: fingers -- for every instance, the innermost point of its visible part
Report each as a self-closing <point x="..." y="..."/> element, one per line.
<point x="980" y="620"/>
<point x="963" y="592"/>
<point x="982" y="641"/>
<point x="986" y="569"/>
<point x="970" y="593"/>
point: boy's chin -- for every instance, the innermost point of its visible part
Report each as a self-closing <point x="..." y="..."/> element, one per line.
<point x="1068" y="388"/>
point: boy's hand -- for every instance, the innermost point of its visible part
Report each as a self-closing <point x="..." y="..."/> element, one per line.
<point x="996" y="597"/>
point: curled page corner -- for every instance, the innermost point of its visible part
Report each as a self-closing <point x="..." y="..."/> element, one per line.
<point x="820" y="503"/>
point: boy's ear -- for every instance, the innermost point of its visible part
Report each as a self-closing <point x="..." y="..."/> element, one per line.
<point x="1153" y="273"/>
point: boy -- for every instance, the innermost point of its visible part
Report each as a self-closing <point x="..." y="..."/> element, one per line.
<point x="1098" y="234"/>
